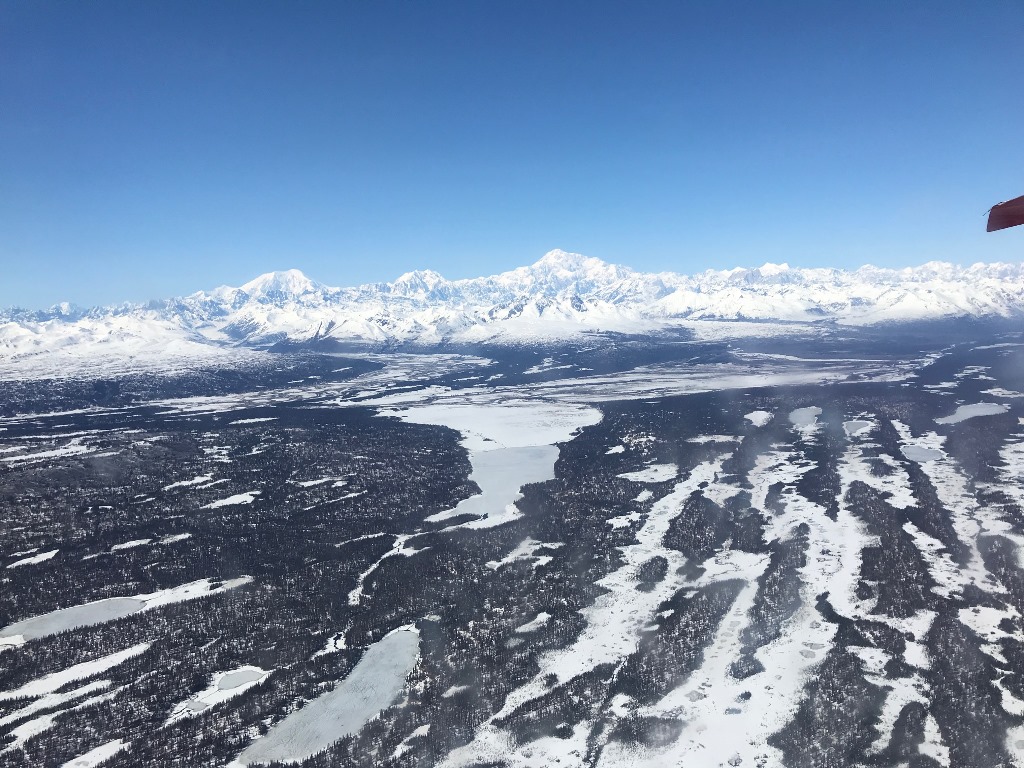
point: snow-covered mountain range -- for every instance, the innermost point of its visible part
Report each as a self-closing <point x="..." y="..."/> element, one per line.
<point x="560" y="295"/>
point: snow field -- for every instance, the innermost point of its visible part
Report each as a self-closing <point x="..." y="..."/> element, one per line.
<point x="969" y="519"/>
<point x="186" y="483"/>
<point x="759" y="418"/>
<point x="624" y="521"/>
<point x="854" y="466"/>
<point x="34" y="560"/>
<point x="709" y="737"/>
<point x="899" y="691"/>
<point x="56" y="680"/>
<point x="338" y="482"/>
<point x="173" y="538"/>
<point x="712" y="738"/>
<point x="25" y="731"/>
<point x="1011" y="477"/>
<point x="96" y="756"/>
<point x="74" y="447"/>
<point x="614" y="623"/>
<point x="131" y="544"/>
<point x="1000" y="392"/>
<point x="407" y="742"/>
<point x="51" y="700"/>
<point x="705" y="439"/>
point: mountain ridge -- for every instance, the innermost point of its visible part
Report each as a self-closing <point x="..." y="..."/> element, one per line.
<point x="562" y="294"/>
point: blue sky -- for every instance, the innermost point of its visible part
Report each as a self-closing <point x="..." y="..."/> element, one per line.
<point x="155" y="148"/>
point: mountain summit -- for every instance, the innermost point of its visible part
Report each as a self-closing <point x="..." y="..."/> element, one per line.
<point x="289" y="284"/>
<point x="559" y="295"/>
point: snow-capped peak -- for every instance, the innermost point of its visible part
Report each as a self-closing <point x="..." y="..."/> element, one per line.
<point x="560" y="294"/>
<point x="770" y="270"/>
<point x="417" y="283"/>
<point x="559" y="271"/>
<point x="559" y="259"/>
<point x="575" y="265"/>
<point x="276" y="285"/>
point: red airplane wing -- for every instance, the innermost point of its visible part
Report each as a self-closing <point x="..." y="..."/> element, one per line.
<point x="1008" y="214"/>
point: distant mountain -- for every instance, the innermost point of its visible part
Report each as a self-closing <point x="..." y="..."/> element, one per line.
<point x="561" y="295"/>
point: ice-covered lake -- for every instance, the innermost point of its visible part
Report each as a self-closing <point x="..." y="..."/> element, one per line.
<point x="500" y="474"/>
<point x="965" y="412"/>
<point x="857" y="427"/>
<point x="109" y="609"/>
<point x="76" y="616"/>
<point x="920" y="453"/>
<point x="805" y="417"/>
<point x="373" y="685"/>
<point x="225" y="685"/>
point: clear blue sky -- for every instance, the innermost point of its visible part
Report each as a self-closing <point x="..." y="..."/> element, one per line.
<point x="155" y="148"/>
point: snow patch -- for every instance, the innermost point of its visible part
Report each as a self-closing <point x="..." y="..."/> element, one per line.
<point x="56" y="680"/>
<point x="759" y="418"/>
<point x="656" y="473"/>
<point x="526" y="550"/>
<point x="239" y="498"/>
<point x="532" y="626"/>
<point x="34" y="560"/>
<point x="98" y="755"/>
<point x="131" y="544"/>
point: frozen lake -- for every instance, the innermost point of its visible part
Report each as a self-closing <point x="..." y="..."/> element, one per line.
<point x="109" y="609"/>
<point x="920" y="453"/>
<point x="856" y="427"/>
<point x="225" y="685"/>
<point x="500" y="474"/>
<point x="805" y="417"/>
<point x="240" y="677"/>
<point x="965" y="412"/>
<point x="373" y="685"/>
<point x="76" y="616"/>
